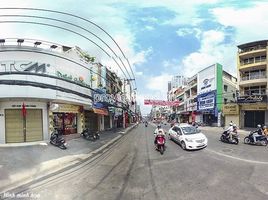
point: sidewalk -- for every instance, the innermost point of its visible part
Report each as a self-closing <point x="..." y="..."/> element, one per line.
<point x="19" y="165"/>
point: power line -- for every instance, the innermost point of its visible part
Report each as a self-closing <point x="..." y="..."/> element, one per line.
<point x="72" y="24"/>
<point x="75" y="16"/>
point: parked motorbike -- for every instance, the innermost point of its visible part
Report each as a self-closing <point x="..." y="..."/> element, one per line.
<point x="89" y="135"/>
<point x="57" y="140"/>
<point x="225" y="138"/>
<point x="160" y="143"/>
<point x="260" y="140"/>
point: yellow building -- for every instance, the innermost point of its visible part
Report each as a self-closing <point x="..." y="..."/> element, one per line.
<point x="252" y="83"/>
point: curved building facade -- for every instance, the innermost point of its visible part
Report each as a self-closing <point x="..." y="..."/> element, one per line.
<point x="42" y="89"/>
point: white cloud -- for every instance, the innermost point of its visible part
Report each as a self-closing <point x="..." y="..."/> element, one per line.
<point x="149" y="28"/>
<point x="212" y="50"/>
<point x="249" y="23"/>
<point x="189" y="31"/>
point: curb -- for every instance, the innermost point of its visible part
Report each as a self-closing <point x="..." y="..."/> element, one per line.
<point x="65" y="162"/>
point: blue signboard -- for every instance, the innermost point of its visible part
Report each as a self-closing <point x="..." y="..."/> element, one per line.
<point x="207" y="102"/>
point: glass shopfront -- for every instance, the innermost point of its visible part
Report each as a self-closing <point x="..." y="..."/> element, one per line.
<point x="66" y="123"/>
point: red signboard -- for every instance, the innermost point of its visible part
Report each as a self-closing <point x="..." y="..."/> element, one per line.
<point x="161" y="103"/>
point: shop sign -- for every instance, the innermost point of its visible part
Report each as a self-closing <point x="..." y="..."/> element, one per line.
<point x="206" y="101"/>
<point x="104" y="98"/>
<point x="67" y="108"/>
<point x="80" y="80"/>
<point x="254" y="107"/>
<point x="101" y="111"/>
<point x="206" y="80"/>
<point x="20" y="106"/>
<point x="23" y="66"/>
<point x="230" y="109"/>
<point x="252" y="99"/>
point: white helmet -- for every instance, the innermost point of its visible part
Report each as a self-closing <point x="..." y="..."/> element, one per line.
<point x="259" y="126"/>
<point x="234" y="125"/>
<point x="231" y="124"/>
<point x="264" y="127"/>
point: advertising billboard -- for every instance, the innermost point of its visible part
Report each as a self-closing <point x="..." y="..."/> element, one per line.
<point x="206" y="80"/>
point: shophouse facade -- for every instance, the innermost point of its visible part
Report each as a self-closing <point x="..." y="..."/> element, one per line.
<point x="252" y="82"/>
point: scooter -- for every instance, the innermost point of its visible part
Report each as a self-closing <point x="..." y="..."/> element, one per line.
<point x="160" y="143"/>
<point x="57" y="140"/>
<point x="90" y="136"/>
<point x="260" y="140"/>
<point x="225" y="138"/>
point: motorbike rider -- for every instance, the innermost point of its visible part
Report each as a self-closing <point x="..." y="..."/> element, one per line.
<point x="257" y="133"/>
<point x="229" y="130"/>
<point x="265" y="131"/>
<point x="158" y="131"/>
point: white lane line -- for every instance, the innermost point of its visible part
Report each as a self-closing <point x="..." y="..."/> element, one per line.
<point x="237" y="158"/>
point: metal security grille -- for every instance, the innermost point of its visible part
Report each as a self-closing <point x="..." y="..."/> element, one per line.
<point x="14" y="125"/>
<point x="106" y="122"/>
<point x="91" y="121"/>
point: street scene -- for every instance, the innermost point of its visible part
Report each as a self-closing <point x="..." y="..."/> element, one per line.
<point x="127" y="100"/>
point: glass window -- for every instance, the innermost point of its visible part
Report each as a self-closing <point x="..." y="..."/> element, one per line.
<point x="188" y="130"/>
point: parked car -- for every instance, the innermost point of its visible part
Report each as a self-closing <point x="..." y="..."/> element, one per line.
<point x="188" y="136"/>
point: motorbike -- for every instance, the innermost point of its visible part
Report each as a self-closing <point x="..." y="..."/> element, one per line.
<point x="57" y="140"/>
<point x="89" y="135"/>
<point x="260" y="140"/>
<point x="225" y="137"/>
<point x="160" y="143"/>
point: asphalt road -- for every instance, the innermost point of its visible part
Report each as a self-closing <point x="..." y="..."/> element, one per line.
<point x="133" y="169"/>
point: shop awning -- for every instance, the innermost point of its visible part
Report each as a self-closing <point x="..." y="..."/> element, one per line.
<point x="100" y="111"/>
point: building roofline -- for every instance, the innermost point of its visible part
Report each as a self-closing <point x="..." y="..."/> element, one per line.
<point x="250" y="44"/>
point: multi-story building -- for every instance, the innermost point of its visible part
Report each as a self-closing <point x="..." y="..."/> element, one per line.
<point x="203" y="97"/>
<point x="178" y="81"/>
<point x="252" y="82"/>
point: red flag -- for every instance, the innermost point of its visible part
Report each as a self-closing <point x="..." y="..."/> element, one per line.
<point x="23" y="110"/>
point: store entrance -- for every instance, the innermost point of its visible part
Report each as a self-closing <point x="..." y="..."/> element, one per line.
<point x="66" y="123"/>
<point x="253" y="118"/>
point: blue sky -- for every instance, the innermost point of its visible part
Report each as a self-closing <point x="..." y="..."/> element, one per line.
<point x="160" y="38"/>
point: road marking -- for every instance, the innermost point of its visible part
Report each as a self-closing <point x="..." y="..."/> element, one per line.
<point x="237" y="158"/>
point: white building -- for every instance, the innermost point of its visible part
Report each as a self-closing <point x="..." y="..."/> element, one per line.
<point x="51" y="84"/>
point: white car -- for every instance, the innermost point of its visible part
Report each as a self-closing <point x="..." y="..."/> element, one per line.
<point x="188" y="137"/>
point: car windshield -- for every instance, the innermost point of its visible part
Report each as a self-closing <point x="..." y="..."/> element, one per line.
<point x="188" y="130"/>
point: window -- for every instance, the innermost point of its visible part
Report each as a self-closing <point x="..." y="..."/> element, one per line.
<point x="225" y="88"/>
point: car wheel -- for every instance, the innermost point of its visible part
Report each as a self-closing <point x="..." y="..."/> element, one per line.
<point x="183" y="145"/>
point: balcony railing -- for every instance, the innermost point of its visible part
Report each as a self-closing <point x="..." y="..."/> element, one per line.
<point x="253" y="76"/>
<point x="253" y="48"/>
<point x="251" y="62"/>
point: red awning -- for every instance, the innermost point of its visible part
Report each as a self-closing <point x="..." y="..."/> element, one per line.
<point x="100" y="111"/>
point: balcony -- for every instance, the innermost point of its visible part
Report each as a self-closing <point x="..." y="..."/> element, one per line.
<point x="257" y="50"/>
<point x="257" y="64"/>
<point x="254" y="79"/>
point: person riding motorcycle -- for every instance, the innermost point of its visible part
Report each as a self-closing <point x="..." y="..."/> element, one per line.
<point x="158" y="131"/>
<point x="229" y="130"/>
<point x="265" y="131"/>
<point x="257" y="133"/>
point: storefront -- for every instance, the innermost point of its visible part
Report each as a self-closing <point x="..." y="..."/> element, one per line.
<point x="91" y="121"/>
<point x="23" y="122"/>
<point x="65" y="118"/>
<point x="253" y="114"/>
<point x="253" y="110"/>
<point x="231" y="114"/>
<point x="206" y="105"/>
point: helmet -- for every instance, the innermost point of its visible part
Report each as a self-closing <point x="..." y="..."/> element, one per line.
<point x="234" y="125"/>
<point x="259" y="126"/>
<point x="158" y="126"/>
<point x="231" y="124"/>
<point x="264" y="127"/>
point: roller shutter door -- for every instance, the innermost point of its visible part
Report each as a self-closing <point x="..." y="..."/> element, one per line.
<point x="91" y="121"/>
<point x="106" y="122"/>
<point x="34" y="125"/>
<point x="14" y="126"/>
